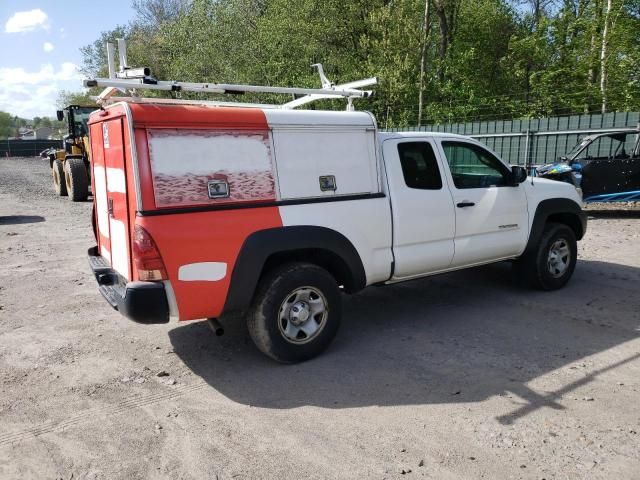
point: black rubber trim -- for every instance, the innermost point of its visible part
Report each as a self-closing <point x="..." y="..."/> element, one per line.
<point x="142" y="302"/>
<point x="259" y="246"/>
<point x="240" y="206"/>
<point x="549" y="207"/>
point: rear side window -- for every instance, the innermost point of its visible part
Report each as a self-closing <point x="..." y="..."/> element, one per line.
<point x="419" y="166"/>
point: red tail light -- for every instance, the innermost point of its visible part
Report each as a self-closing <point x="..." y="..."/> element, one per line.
<point x="147" y="257"/>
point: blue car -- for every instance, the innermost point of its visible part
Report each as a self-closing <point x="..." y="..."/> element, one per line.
<point x="605" y="166"/>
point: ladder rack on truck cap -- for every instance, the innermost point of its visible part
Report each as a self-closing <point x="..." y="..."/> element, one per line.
<point x="134" y="79"/>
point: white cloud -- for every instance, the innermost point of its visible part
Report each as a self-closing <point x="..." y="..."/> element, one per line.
<point x="34" y="93"/>
<point x="27" y="21"/>
<point x="48" y="47"/>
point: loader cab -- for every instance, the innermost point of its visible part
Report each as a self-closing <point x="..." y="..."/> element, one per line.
<point x="77" y="117"/>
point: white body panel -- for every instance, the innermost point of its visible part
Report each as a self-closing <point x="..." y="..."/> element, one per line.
<point x="119" y="256"/>
<point x="365" y="223"/>
<point x="424" y="220"/>
<point x="495" y="227"/>
<point x="539" y="189"/>
<point x="203" y="271"/>
<point x="305" y="155"/>
<point x="116" y="180"/>
<point x="313" y="144"/>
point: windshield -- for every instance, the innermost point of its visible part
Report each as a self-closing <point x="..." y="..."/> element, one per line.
<point x="615" y="145"/>
<point x="585" y="141"/>
<point x="80" y="117"/>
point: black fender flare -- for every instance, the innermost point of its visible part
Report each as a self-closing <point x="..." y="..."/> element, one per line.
<point x="260" y="245"/>
<point x="560" y="207"/>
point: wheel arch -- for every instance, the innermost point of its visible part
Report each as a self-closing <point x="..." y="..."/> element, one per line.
<point x="266" y="249"/>
<point x="559" y="210"/>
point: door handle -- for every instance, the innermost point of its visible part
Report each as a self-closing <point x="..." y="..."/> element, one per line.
<point x="110" y="207"/>
<point x="465" y="204"/>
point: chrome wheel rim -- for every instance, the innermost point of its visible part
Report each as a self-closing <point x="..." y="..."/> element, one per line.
<point x="559" y="258"/>
<point x="302" y="315"/>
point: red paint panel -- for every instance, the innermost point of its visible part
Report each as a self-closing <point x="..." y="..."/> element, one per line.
<point x="191" y="237"/>
<point x="193" y="116"/>
<point x="144" y="170"/>
<point x="130" y="176"/>
<point x="114" y="157"/>
<point x="97" y="160"/>
<point x="205" y="237"/>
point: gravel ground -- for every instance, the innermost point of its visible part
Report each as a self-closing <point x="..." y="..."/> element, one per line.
<point x="463" y="375"/>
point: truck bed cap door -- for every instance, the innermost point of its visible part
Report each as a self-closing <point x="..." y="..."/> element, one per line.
<point x="110" y="190"/>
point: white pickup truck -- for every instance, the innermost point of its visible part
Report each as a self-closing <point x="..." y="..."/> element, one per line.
<point x="202" y="211"/>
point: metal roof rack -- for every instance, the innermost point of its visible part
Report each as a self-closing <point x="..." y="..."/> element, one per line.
<point x="130" y="80"/>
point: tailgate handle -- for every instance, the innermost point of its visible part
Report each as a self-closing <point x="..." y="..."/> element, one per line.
<point x="110" y="207"/>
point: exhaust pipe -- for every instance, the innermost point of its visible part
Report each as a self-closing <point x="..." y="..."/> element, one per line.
<point x="215" y="326"/>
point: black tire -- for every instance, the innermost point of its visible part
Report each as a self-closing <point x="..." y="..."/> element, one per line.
<point x="279" y="293"/>
<point x="59" y="182"/>
<point x="537" y="266"/>
<point x="76" y="179"/>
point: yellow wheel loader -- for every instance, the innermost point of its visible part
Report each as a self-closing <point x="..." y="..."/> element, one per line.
<point x="70" y="164"/>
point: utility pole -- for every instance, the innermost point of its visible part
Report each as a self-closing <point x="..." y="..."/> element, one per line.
<point x="603" y="56"/>
<point x="423" y="54"/>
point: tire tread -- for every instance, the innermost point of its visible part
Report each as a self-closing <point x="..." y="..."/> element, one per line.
<point x="78" y="180"/>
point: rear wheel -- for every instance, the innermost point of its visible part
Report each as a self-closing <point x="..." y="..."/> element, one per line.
<point x="296" y="312"/>
<point x="57" y="172"/>
<point x="552" y="263"/>
<point x="76" y="179"/>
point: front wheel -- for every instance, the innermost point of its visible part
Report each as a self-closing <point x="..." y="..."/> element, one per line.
<point x="76" y="179"/>
<point x="57" y="171"/>
<point x="296" y="312"/>
<point x="551" y="264"/>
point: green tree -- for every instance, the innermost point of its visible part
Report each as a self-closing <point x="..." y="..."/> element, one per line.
<point x="6" y="125"/>
<point x="66" y="98"/>
<point x="446" y="60"/>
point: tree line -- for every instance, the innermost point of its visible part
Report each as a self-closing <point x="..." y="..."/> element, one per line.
<point x="436" y="60"/>
<point x="10" y="125"/>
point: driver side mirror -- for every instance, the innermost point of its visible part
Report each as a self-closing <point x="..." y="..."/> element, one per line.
<point x="518" y="174"/>
<point x="60" y="115"/>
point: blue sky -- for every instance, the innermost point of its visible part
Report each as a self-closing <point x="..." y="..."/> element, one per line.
<point x="39" y="48"/>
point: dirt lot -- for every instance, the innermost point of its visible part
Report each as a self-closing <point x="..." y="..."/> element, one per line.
<point x="461" y="376"/>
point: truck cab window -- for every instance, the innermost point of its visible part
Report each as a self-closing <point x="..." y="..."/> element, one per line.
<point x="419" y="166"/>
<point x="473" y="167"/>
